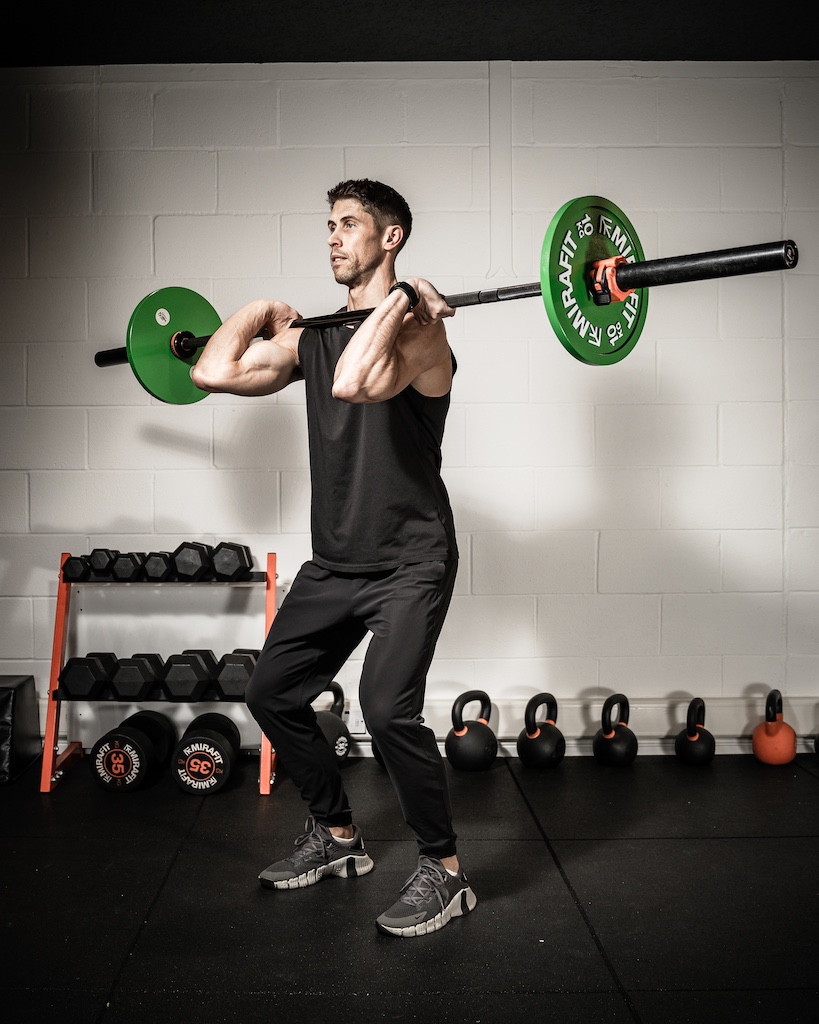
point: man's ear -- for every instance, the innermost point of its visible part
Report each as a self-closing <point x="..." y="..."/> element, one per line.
<point x="393" y="236"/>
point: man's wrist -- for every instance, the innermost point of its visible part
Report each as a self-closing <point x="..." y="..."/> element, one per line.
<point x="408" y="290"/>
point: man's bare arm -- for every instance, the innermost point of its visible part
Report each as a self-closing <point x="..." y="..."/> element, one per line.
<point x="392" y="350"/>
<point x="229" y="362"/>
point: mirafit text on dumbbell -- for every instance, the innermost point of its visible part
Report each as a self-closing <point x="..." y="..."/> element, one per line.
<point x="200" y="765"/>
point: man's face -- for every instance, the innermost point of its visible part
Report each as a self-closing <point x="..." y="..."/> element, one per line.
<point x="356" y="249"/>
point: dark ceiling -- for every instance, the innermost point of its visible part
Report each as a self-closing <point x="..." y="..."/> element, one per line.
<point x="267" y="31"/>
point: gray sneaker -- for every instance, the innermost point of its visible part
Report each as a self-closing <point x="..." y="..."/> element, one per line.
<point x="429" y="899"/>
<point x="318" y="855"/>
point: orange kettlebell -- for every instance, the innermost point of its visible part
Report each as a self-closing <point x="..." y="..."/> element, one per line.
<point x="774" y="741"/>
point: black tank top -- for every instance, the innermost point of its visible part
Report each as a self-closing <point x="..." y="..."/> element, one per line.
<point x="378" y="499"/>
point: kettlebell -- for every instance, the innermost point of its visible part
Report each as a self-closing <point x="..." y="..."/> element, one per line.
<point x="541" y="744"/>
<point x="332" y="724"/>
<point x="695" y="744"/>
<point x="471" y="746"/>
<point x="615" y="744"/>
<point x="774" y="741"/>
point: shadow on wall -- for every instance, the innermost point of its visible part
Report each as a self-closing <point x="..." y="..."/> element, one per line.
<point x="648" y="558"/>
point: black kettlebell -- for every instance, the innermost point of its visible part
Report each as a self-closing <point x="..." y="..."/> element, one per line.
<point x="615" y="744"/>
<point x="332" y="724"/>
<point x="695" y="744"/>
<point x="471" y="746"/>
<point x="541" y="744"/>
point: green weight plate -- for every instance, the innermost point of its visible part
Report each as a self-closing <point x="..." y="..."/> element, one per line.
<point x="582" y="231"/>
<point x="152" y="325"/>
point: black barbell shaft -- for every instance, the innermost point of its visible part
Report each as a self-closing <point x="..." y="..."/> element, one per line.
<point x="751" y="259"/>
<point x="117" y="356"/>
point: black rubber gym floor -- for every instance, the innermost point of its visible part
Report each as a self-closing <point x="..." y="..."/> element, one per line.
<point x="654" y="893"/>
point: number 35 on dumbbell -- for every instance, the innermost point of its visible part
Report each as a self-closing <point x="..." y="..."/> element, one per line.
<point x="206" y="755"/>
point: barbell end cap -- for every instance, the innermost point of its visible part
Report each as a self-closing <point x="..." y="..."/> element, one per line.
<point x="790" y="254"/>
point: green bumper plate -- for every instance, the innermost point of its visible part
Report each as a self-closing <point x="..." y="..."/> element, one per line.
<point x="148" y="343"/>
<point x="581" y="232"/>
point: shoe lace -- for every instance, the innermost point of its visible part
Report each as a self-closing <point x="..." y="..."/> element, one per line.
<point x="309" y="844"/>
<point x="422" y="884"/>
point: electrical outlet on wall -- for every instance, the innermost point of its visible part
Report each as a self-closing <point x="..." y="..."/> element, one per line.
<point x="355" y="720"/>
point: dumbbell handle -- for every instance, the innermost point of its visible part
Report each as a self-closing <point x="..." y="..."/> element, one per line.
<point x="751" y="259"/>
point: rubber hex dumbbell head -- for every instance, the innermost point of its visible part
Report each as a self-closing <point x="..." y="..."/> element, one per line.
<point x="233" y="674"/>
<point x="191" y="562"/>
<point x="128" y="566"/>
<point x="231" y="562"/>
<point x="185" y="677"/>
<point x="87" y="678"/>
<point x="135" y="678"/>
<point x="208" y="657"/>
<point x="76" y="568"/>
<point x="158" y="567"/>
<point x="205" y="756"/>
<point x="102" y="561"/>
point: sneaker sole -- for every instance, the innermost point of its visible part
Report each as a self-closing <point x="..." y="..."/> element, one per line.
<point x="344" y="867"/>
<point x="461" y="903"/>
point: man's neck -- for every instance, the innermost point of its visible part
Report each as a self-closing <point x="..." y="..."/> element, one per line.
<point x="367" y="294"/>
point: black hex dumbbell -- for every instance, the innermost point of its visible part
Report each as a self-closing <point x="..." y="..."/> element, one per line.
<point x="87" y="678"/>
<point x="158" y="567"/>
<point x="102" y="561"/>
<point x="233" y="674"/>
<point x="188" y="676"/>
<point x="126" y="757"/>
<point x="136" y="678"/>
<point x="128" y="566"/>
<point x="192" y="562"/>
<point x="76" y="569"/>
<point x="231" y="562"/>
<point x="206" y="754"/>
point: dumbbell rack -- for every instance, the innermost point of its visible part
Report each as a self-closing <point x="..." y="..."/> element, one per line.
<point x="56" y="764"/>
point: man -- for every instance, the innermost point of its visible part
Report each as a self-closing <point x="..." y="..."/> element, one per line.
<point x="384" y="549"/>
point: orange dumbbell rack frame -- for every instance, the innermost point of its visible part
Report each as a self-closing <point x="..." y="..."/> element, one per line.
<point x="55" y="764"/>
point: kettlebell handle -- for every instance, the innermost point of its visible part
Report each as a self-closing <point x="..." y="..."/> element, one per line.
<point x="773" y="706"/>
<point x="460" y="704"/>
<point x="338" y="698"/>
<point x="616" y="699"/>
<point x="696" y="718"/>
<point x="530" y="714"/>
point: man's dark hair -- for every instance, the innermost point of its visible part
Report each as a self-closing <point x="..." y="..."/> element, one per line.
<point x="383" y="203"/>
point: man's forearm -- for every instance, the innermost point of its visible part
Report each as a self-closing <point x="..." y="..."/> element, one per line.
<point x="370" y="366"/>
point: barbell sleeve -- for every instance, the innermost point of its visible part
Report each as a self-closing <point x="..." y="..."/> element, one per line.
<point x="703" y="266"/>
<point x="111" y="357"/>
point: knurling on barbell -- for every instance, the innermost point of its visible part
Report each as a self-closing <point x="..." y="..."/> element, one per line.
<point x="593" y="282"/>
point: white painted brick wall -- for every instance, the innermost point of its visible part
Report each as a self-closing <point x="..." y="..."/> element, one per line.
<point x="651" y="527"/>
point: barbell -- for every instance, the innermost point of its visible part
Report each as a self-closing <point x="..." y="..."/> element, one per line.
<point x="593" y="282"/>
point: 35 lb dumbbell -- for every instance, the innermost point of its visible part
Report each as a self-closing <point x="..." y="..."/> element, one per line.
<point x="135" y="751"/>
<point x="206" y="755"/>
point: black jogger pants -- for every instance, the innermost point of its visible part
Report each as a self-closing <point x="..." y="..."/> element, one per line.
<point x="322" y="620"/>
